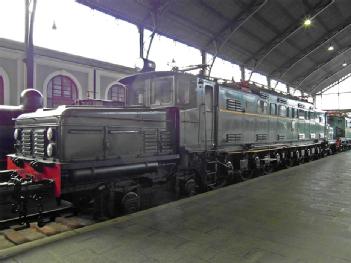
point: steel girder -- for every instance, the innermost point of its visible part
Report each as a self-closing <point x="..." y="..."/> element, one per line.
<point x="293" y="29"/>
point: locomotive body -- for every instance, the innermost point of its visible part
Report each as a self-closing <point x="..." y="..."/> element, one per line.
<point x="187" y="132"/>
<point x="341" y="125"/>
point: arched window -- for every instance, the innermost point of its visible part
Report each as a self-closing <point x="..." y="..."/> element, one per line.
<point x="2" y="86"/>
<point x="117" y="93"/>
<point x="61" y="91"/>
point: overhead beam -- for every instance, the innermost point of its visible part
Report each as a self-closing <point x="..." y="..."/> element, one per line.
<point x="317" y="88"/>
<point x="293" y="29"/>
<point x="233" y="25"/>
<point x="157" y="9"/>
<point x="218" y="14"/>
<point x="318" y="67"/>
<point x="285" y="68"/>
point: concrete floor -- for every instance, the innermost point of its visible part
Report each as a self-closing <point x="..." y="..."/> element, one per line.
<point x="302" y="214"/>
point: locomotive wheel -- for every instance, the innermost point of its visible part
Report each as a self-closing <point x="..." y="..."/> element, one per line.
<point x="130" y="202"/>
<point x="100" y="200"/>
<point x="308" y="156"/>
<point x="290" y="162"/>
<point x="269" y="169"/>
<point x="190" y="187"/>
<point x="246" y="175"/>
<point x="258" y="172"/>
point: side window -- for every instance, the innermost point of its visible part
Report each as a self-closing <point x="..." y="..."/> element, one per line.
<point x="282" y="110"/>
<point x="136" y="91"/>
<point x="321" y="119"/>
<point x="273" y="110"/>
<point x="208" y="98"/>
<point x="183" y="91"/>
<point x="262" y="107"/>
<point x="311" y="115"/>
<point x="161" y="91"/>
<point x="301" y="114"/>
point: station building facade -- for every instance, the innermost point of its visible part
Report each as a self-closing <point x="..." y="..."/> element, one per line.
<point x="61" y="77"/>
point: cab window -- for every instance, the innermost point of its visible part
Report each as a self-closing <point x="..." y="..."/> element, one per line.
<point x="262" y="107"/>
<point x="311" y="115"/>
<point x="273" y="110"/>
<point x="301" y="114"/>
<point x="208" y="98"/>
<point x="282" y="110"/>
<point x="136" y="92"/>
<point x="183" y="91"/>
<point x="161" y="92"/>
<point x="321" y="119"/>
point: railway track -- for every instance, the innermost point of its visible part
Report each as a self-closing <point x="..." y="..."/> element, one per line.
<point x="20" y="234"/>
<point x="57" y="222"/>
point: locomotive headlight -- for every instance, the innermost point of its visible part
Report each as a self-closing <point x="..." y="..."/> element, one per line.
<point x="50" y="134"/>
<point x="50" y="149"/>
<point x="16" y="134"/>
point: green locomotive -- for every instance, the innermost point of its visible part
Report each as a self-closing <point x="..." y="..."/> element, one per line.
<point x="188" y="132"/>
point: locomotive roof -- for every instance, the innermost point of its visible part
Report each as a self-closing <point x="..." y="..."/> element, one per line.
<point x="233" y="85"/>
<point x="78" y="110"/>
<point x="145" y="75"/>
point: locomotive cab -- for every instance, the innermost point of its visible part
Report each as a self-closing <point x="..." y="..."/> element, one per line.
<point x="161" y="89"/>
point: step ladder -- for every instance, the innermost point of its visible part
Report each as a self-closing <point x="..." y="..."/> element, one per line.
<point x="211" y="174"/>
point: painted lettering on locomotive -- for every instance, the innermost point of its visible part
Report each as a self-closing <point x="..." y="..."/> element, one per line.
<point x="184" y="131"/>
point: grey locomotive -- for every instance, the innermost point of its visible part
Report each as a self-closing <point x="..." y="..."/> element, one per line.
<point x="187" y="132"/>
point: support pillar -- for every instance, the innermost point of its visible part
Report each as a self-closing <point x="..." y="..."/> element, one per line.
<point x="287" y="88"/>
<point x="141" y="41"/>
<point x="269" y="82"/>
<point x="242" y="70"/>
<point x="203" y="70"/>
<point x="29" y="24"/>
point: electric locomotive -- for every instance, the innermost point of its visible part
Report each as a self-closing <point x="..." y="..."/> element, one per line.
<point x="188" y="133"/>
<point x="341" y="125"/>
<point x="31" y="100"/>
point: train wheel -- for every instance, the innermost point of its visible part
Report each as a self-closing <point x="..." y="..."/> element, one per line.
<point x="100" y="198"/>
<point x="269" y="169"/>
<point x="190" y="187"/>
<point x="308" y="157"/>
<point x="258" y="172"/>
<point x="290" y="162"/>
<point x="130" y="202"/>
<point x="246" y="175"/>
<point x="279" y="163"/>
<point x="302" y="160"/>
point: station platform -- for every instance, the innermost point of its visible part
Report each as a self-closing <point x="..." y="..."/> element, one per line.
<point x="302" y="214"/>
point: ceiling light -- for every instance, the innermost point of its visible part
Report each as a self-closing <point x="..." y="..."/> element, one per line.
<point x="307" y="22"/>
<point x="330" y="48"/>
<point x="344" y="64"/>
